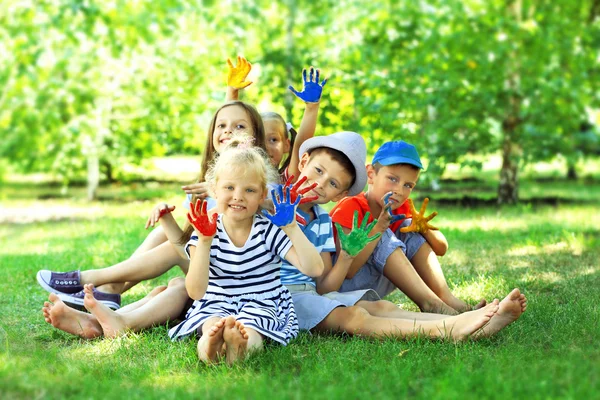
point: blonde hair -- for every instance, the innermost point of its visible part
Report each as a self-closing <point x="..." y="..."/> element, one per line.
<point x="240" y="153"/>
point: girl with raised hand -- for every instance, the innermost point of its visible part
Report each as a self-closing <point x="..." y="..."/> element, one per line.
<point x="156" y="255"/>
<point x="282" y="141"/>
<point x="235" y="258"/>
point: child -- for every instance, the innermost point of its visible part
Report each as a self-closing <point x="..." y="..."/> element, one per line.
<point x="336" y="164"/>
<point x="350" y="312"/>
<point x="235" y="260"/>
<point x="149" y="262"/>
<point x="384" y="264"/>
<point x="281" y="138"/>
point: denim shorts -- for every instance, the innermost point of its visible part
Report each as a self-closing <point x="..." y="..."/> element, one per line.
<point x="370" y="275"/>
<point x="312" y="308"/>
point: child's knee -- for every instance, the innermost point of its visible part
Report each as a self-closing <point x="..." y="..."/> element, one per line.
<point x="384" y="306"/>
<point x="354" y="319"/>
<point x="177" y="282"/>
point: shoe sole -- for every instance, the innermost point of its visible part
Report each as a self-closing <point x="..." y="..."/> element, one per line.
<point x="77" y="303"/>
<point x="47" y="286"/>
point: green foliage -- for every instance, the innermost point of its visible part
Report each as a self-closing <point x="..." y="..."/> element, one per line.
<point x="129" y="80"/>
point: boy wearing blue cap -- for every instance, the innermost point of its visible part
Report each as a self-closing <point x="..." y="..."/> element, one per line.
<point x="384" y="264"/>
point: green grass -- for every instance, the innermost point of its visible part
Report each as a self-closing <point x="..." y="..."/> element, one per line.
<point x="551" y="253"/>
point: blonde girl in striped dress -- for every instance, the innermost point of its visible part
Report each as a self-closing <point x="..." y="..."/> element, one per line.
<point x="235" y="257"/>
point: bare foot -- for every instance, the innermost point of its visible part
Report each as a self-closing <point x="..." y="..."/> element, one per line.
<point x="236" y="340"/>
<point x="214" y="343"/>
<point x="511" y="308"/>
<point x="111" y="322"/>
<point x="69" y="320"/>
<point x="460" y="327"/>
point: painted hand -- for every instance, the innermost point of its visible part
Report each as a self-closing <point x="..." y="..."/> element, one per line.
<point x="355" y="241"/>
<point x="285" y="209"/>
<point x="312" y="89"/>
<point x="388" y="208"/>
<point x="199" y="218"/>
<point x="158" y="212"/>
<point x="294" y="192"/>
<point x="236" y="76"/>
<point x="419" y="223"/>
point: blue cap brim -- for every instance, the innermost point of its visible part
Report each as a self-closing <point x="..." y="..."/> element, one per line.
<point x="398" y="160"/>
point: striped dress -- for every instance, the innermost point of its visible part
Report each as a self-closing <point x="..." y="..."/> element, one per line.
<point x="244" y="282"/>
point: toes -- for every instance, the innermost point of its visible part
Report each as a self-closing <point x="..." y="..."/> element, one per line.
<point x="88" y="288"/>
<point x="53" y="297"/>
<point x="229" y="322"/>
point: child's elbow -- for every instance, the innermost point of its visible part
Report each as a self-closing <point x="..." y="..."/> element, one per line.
<point x="318" y="269"/>
<point x="195" y="293"/>
<point x="441" y="249"/>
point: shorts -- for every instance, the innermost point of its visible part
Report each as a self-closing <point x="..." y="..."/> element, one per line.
<point x="370" y="275"/>
<point x="312" y="308"/>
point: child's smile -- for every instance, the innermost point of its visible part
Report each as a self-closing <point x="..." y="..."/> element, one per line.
<point x="239" y="193"/>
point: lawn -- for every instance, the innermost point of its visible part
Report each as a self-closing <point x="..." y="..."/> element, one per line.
<point x="552" y="253"/>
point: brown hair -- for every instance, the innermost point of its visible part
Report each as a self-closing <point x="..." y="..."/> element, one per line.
<point x="288" y="134"/>
<point x="338" y="156"/>
<point x="209" y="154"/>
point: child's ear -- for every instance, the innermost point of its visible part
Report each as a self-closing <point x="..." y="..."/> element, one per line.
<point x="340" y="196"/>
<point x="370" y="174"/>
<point x="303" y="161"/>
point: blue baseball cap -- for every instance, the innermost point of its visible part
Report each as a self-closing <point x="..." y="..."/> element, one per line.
<point x="397" y="152"/>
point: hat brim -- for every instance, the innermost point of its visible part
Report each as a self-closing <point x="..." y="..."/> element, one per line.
<point x="398" y="160"/>
<point x="349" y="151"/>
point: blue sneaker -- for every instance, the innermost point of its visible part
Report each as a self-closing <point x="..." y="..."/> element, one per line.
<point x="75" y="300"/>
<point x="60" y="282"/>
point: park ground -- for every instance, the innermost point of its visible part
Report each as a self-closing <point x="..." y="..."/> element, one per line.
<point x="548" y="246"/>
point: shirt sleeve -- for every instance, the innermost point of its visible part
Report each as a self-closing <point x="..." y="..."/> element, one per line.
<point x="329" y="246"/>
<point x="277" y="241"/>
<point x="192" y="242"/>
<point x="343" y="214"/>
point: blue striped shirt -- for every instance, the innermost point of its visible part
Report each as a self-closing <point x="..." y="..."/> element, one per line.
<point x="320" y="233"/>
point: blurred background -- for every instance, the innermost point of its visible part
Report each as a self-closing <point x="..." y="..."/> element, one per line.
<point x="500" y="97"/>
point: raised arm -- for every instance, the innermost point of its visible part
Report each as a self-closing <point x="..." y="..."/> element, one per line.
<point x="303" y="255"/>
<point x="196" y="280"/>
<point x="311" y="95"/>
<point x="236" y="78"/>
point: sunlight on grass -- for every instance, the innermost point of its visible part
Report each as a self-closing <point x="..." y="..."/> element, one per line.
<point x="103" y="347"/>
<point x="46" y="212"/>
<point x="549" y="277"/>
<point x="480" y="287"/>
<point x="552" y="248"/>
<point x="519" y="264"/>
<point x="487" y="224"/>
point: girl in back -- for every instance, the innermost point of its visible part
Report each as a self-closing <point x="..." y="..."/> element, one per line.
<point x="235" y="258"/>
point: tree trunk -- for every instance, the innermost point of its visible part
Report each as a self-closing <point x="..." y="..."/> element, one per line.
<point x="93" y="174"/>
<point x="508" y="189"/>
<point x="109" y="171"/>
<point x="571" y="171"/>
